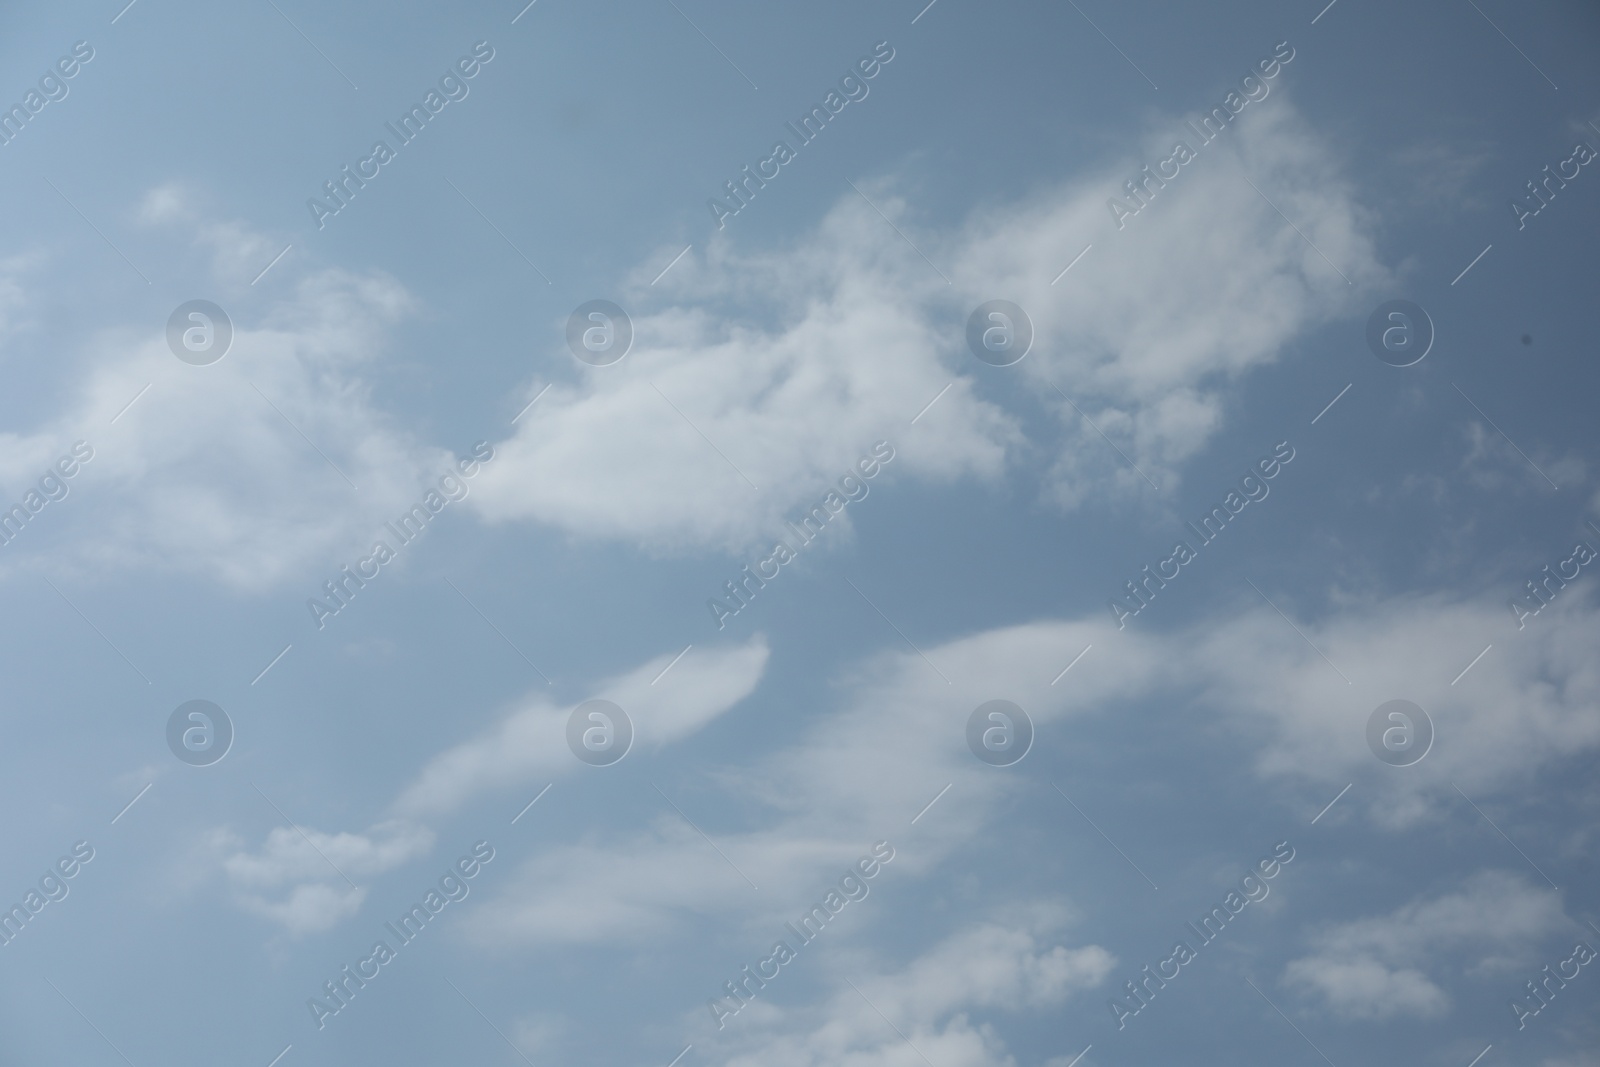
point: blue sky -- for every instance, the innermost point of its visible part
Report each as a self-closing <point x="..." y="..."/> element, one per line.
<point x="424" y="326"/>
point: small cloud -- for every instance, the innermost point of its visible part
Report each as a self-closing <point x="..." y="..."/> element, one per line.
<point x="1376" y="967"/>
<point x="165" y="204"/>
<point x="928" y="1002"/>
<point x="314" y="866"/>
<point x="308" y="909"/>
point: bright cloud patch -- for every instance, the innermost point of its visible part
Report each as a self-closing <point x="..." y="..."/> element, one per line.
<point x="929" y="1002"/>
<point x="1379" y="967"/>
<point x="790" y="361"/>
<point x="305" y="879"/>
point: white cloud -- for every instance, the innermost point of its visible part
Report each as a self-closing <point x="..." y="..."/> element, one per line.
<point x="297" y="877"/>
<point x="791" y="361"/>
<point x="238" y="251"/>
<point x="892" y="742"/>
<point x="1379" y="967"/>
<point x="985" y="967"/>
<point x="535" y="1033"/>
<point x="291" y="855"/>
<point x="991" y="966"/>
<point x="1409" y="647"/>
<point x="1453" y="168"/>
<point x="13" y="294"/>
<point x="203" y="475"/>
<point x="806" y="810"/>
<point x="531" y="741"/>
<point x="1577" y="1059"/>
<point x="1493" y="464"/>
<point x="309" y="908"/>
<point x="244" y="472"/>
<point x="1150" y="331"/>
<point x="811" y="356"/>
<point x="1361" y="987"/>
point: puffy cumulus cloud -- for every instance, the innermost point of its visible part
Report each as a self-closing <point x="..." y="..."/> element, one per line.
<point x="1377" y="967"/>
<point x="297" y="876"/>
<point x="1152" y="329"/>
<point x="983" y="968"/>
<point x="992" y="966"/>
<point x="228" y="471"/>
<point x="791" y="364"/>
<point x="532" y="739"/>
<point x="791" y="360"/>
<point x="1207" y="279"/>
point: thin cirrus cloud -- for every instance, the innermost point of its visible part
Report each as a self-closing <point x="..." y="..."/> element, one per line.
<point x="297" y="879"/>
<point x="531" y="741"/>
<point x="806" y="808"/>
<point x="806" y="805"/>
<point x="1415" y="647"/>
<point x="1300" y="722"/>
